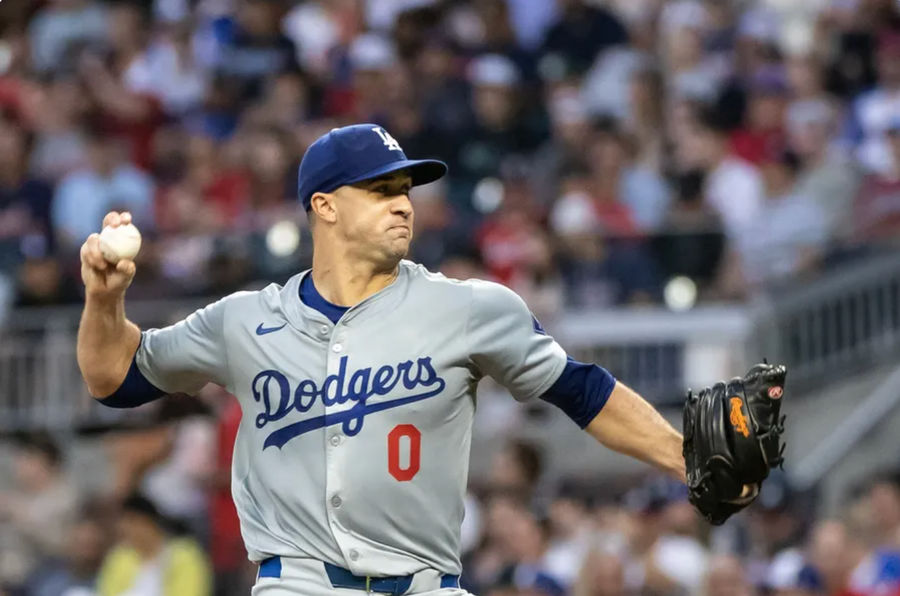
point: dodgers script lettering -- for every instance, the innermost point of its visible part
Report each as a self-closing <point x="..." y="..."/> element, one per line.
<point x="272" y="389"/>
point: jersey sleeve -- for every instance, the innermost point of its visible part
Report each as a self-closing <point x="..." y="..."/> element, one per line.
<point x="183" y="357"/>
<point x="508" y="344"/>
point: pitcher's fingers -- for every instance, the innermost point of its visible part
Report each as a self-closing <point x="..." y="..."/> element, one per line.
<point x="112" y="219"/>
<point x="92" y="255"/>
<point x="126" y="267"/>
<point x="124" y="218"/>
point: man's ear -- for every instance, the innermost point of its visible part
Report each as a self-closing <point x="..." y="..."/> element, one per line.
<point x="322" y="205"/>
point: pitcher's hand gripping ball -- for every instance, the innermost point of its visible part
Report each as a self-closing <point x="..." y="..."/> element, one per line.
<point x="120" y="242"/>
<point x="732" y="438"/>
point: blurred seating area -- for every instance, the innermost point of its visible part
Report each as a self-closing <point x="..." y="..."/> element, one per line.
<point x="147" y="511"/>
<point x="597" y="149"/>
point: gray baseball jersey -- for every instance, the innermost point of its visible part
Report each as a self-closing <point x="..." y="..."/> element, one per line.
<point x="354" y="443"/>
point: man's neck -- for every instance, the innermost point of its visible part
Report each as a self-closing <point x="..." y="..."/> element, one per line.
<point x="346" y="284"/>
<point x="150" y="548"/>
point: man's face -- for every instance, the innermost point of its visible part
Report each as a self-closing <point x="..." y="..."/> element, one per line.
<point x="374" y="218"/>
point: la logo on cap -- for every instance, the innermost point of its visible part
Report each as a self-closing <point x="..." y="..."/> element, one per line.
<point x="389" y="141"/>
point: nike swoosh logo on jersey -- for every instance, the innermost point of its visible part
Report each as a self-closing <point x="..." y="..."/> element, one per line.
<point x="273" y="390"/>
<point x="263" y="330"/>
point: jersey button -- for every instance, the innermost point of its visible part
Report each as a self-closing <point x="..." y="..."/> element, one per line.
<point x="335" y="440"/>
<point x="354" y="555"/>
<point x="323" y="329"/>
<point x="336" y="501"/>
<point x="337" y="348"/>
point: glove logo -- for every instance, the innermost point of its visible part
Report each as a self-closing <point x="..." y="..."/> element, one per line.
<point x="738" y="420"/>
<point x="775" y="392"/>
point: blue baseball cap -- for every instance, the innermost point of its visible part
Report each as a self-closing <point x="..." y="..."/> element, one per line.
<point x="355" y="153"/>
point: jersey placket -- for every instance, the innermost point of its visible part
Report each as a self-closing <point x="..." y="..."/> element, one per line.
<point x="335" y="450"/>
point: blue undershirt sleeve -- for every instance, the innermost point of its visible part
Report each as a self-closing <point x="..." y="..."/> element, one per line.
<point x="581" y="391"/>
<point x="134" y="391"/>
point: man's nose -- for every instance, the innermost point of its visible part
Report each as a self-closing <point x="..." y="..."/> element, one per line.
<point x="402" y="205"/>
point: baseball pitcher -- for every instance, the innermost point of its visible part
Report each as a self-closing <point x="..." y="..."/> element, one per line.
<point x="357" y="381"/>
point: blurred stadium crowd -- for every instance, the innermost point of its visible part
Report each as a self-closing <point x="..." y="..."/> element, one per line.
<point x="595" y="151"/>
<point x="163" y="524"/>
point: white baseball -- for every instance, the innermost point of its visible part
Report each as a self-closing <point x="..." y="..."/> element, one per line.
<point x="120" y="242"/>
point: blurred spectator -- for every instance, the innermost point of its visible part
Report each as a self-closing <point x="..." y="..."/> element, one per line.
<point x="435" y="241"/>
<point x="876" y="210"/>
<point x="500" y="131"/>
<point x="38" y="515"/>
<point x="59" y="25"/>
<point x="107" y="183"/>
<point x="602" y="574"/>
<point x="789" y="235"/>
<point x="60" y="109"/>
<point x="874" y="111"/>
<point x="691" y="242"/>
<point x="646" y="117"/>
<point x="726" y="577"/>
<point x="76" y="574"/>
<point x="316" y="27"/>
<point x="114" y="79"/>
<point x="168" y="69"/>
<point x="251" y="47"/>
<point x="148" y="560"/>
<point x="618" y="179"/>
<point x="570" y="537"/>
<point x="581" y="32"/>
<point x="564" y="150"/>
<point x="665" y="554"/>
<point x="733" y="187"/>
<point x="528" y="538"/>
<point x="602" y="259"/>
<point x="690" y="72"/>
<point x="208" y="194"/>
<point x="132" y="452"/>
<point x="227" y="553"/>
<point x="41" y="278"/>
<point x="762" y="136"/>
<point x="827" y="175"/>
<point x="515" y="247"/>
<point x="775" y="528"/>
<point x="374" y="72"/>
<point x="444" y="95"/>
<point x="178" y="484"/>
<point x="883" y="505"/>
<point x="24" y="200"/>
<point x="285" y="103"/>
<point x="517" y="468"/>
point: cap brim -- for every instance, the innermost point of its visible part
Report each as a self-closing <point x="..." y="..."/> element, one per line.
<point x="422" y="171"/>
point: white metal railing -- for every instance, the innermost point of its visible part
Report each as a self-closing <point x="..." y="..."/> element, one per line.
<point x="657" y="352"/>
<point x="843" y="323"/>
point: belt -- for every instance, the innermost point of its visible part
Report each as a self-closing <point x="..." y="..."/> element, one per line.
<point x="343" y="578"/>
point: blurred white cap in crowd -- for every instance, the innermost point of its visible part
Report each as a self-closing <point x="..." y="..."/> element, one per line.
<point x="785" y="569"/>
<point x="574" y="214"/>
<point x="761" y="25"/>
<point x="804" y="112"/>
<point x="567" y="107"/>
<point x="684" y="14"/>
<point x="695" y="85"/>
<point x="382" y="14"/>
<point x="371" y="51"/>
<point x="493" y="70"/>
